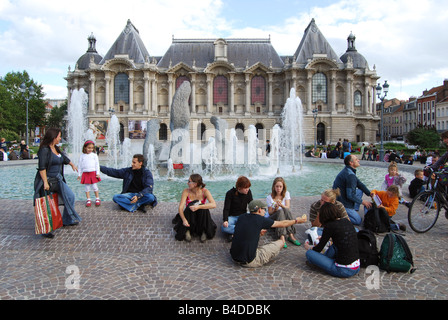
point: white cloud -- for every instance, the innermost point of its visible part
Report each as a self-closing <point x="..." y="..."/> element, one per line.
<point x="403" y="39"/>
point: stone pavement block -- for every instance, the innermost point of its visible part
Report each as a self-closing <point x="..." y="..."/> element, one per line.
<point x="121" y="255"/>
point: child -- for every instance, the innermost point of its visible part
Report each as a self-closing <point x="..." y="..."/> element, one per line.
<point x="394" y="178"/>
<point x="418" y="184"/>
<point x="389" y="201"/>
<point x="89" y="171"/>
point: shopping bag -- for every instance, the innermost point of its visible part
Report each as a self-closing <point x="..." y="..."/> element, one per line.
<point x="47" y="215"/>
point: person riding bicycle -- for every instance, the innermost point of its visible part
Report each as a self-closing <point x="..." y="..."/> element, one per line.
<point x="442" y="163"/>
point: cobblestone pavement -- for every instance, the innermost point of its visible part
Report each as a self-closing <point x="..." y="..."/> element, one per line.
<point x="120" y="255"/>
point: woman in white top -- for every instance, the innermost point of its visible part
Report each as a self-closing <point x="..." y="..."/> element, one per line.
<point x="279" y="203"/>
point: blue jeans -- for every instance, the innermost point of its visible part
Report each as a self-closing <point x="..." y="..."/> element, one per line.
<point x="232" y="222"/>
<point x="124" y="200"/>
<point x="353" y="214"/>
<point x="326" y="262"/>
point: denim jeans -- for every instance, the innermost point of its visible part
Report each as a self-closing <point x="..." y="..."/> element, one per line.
<point x="124" y="200"/>
<point x="232" y="222"/>
<point x="353" y="214"/>
<point x="326" y="262"/>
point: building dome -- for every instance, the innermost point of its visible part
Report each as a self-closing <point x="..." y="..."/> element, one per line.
<point x="84" y="61"/>
<point x="358" y="60"/>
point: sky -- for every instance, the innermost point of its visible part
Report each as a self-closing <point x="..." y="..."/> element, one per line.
<point x="405" y="40"/>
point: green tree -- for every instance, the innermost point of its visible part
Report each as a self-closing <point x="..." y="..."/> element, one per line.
<point x="424" y="137"/>
<point x="13" y="103"/>
<point x="56" y="116"/>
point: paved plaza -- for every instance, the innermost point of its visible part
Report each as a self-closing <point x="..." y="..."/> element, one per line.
<point x="121" y="255"/>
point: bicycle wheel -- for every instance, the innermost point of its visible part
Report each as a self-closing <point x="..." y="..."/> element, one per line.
<point x="424" y="211"/>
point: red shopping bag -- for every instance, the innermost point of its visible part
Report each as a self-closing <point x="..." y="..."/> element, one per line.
<point x="47" y="215"/>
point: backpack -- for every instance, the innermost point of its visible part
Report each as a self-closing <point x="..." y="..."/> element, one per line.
<point x="395" y="254"/>
<point x="368" y="251"/>
<point x="377" y="220"/>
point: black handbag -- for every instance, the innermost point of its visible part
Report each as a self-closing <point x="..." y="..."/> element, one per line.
<point x="53" y="182"/>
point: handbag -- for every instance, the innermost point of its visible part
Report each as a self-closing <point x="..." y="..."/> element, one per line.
<point x="53" y="182"/>
<point x="47" y="215"/>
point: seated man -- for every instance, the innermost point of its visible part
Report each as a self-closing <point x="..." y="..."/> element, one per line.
<point x="249" y="227"/>
<point x="137" y="185"/>
<point x="351" y="189"/>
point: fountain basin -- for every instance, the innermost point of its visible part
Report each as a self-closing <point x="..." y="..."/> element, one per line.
<point x="311" y="180"/>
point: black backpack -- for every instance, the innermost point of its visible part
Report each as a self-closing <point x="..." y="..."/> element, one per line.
<point x="368" y="250"/>
<point x="377" y="220"/>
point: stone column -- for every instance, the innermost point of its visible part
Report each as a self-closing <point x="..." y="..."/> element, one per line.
<point x="92" y="94"/>
<point x="170" y="91"/>
<point x="193" y="94"/>
<point x="270" y="93"/>
<point x="365" y="108"/>
<point x="309" y="80"/>
<point x="232" y="94"/>
<point x="154" y="101"/>
<point x="209" y="93"/>
<point x="247" y="109"/>
<point x="107" y="97"/>
<point x="333" y="92"/>
<point x="131" y="92"/>
<point x="147" y="93"/>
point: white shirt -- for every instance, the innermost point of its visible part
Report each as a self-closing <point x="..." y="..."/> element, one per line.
<point x="88" y="162"/>
<point x="270" y="201"/>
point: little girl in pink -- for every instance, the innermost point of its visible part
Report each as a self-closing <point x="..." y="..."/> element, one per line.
<point x="394" y="178"/>
<point x="89" y="171"/>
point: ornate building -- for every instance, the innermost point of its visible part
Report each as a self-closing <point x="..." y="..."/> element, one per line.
<point x="243" y="81"/>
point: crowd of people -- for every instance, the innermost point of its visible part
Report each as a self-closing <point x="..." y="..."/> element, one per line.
<point x="335" y="217"/>
<point x="10" y="150"/>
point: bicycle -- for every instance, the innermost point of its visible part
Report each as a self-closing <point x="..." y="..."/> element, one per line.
<point x="425" y="208"/>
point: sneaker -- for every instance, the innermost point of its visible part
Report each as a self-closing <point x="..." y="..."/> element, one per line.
<point x="97" y="202"/>
<point x="187" y="236"/>
<point x="402" y="227"/>
<point x="88" y="203"/>
<point x="407" y="204"/>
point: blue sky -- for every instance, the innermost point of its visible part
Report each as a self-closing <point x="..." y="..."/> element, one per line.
<point x="401" y="38"/>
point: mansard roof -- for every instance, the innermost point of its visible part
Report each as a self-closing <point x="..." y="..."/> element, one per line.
<point x="314" y="43"/>
<point x="240" y="52"/>
<point x="130" y="43"/>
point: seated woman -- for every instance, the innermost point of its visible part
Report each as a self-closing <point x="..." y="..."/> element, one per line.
<point x="235" y="204"/>
<point x="51" y="169"/>
<point x="194" y="215"/>
<point x="279" y="205"/>
<point x="330" y="196"/>
<point x="342" y="258"/>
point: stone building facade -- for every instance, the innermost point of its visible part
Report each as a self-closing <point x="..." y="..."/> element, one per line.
<point x="243" y="81"/>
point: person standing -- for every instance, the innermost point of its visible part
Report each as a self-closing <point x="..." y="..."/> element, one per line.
<point x="51" y="169"/>
<point x="351" y="189"/>
<point x="89" y="172"/>
<point x="138" y="185"/>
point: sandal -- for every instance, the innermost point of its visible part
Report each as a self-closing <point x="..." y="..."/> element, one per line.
<point x="296" y="242"/>
<point x="88" y="203"/>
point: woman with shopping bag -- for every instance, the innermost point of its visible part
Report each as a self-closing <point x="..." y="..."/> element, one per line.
<point x="50" y="177"/>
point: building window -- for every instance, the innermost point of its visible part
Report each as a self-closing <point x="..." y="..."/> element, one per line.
<point x="121" y="87"/>
<point x="163" y="132"/>
<point x="181" y="80"/>
<point x="319" y="88"/>
<point x="220" y="90"/>
<point x="358" y="99"/>
<point x="239" y="131"/>
<point x="201" y="131"/>
<point x="258" y="90"/>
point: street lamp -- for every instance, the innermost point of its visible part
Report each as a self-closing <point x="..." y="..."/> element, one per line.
<point x="315" y="112"/>
<point x="378" y="92"/>
<point x="31" y="93"/>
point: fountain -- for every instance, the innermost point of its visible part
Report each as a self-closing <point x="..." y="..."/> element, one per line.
<point x="76" y="124"/>
<point x="113" y="141"/>
<point x="292" y="129"/>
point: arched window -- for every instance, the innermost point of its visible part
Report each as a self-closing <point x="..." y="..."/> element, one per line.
<point x="260" y="131"/>
<point x="258" y="90"/>
<point x="220" y="89"/>
<point x="239" y="131"/>
<point x="181" y="80"/>
<point x="163" y="132"/>
<point x="121" y="88"/>
<point x="358" y="98"/>
<point x="201" y="131"/>
<point x="319" y="88"/>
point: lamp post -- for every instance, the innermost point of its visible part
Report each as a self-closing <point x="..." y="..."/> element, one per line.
<point x="315" y="112"/>
<point x="31" y="93"/>
<point x="378" y="92"/>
